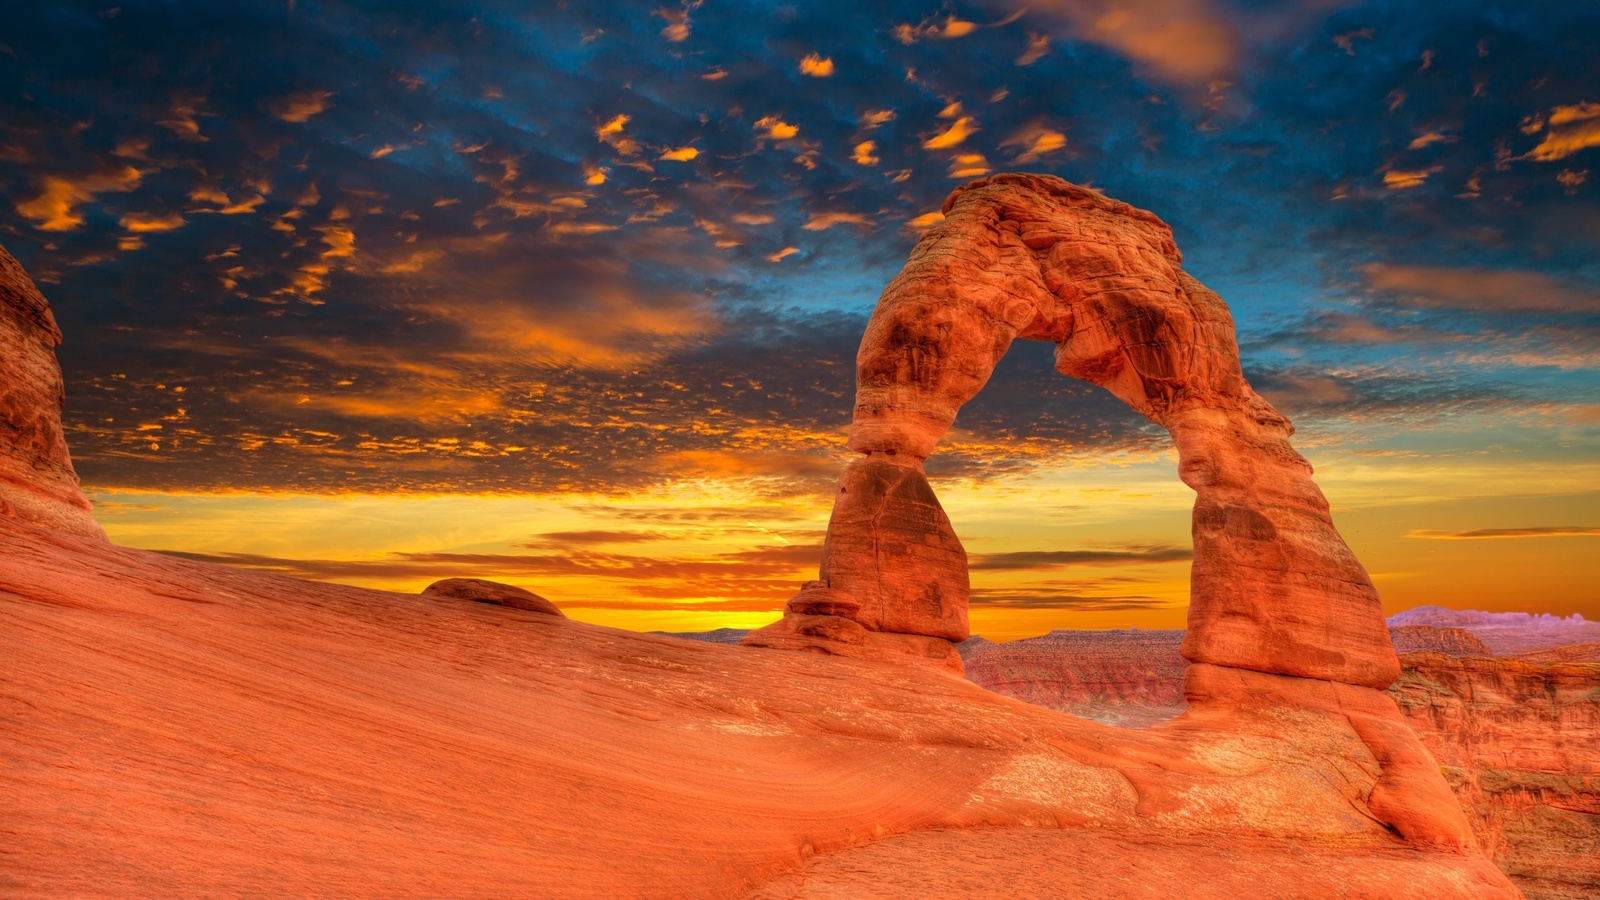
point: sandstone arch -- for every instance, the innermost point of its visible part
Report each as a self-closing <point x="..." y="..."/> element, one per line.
<point x="1274" y="588"/>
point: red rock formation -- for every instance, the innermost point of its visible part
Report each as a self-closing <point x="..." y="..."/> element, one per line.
<point x="892" y="549"/>
<point x="1519" y="745"/>
<point x="1507" y="633"/>
<point x="1433" y="639"/>
<point x="1274" y="587"/>
<point x="37" y="482"/>
<point x="493" y="592"/>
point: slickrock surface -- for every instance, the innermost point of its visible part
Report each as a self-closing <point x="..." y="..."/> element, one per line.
<point x="1507" y="633"/>
<point x="1434" y="639"/>
<point x="478" y="590"/>
<point x="1521" y="747"/>
<point x="1274" y="587"/>
<point x="1128" y="678"/>
<point x="179" y="729"/>
<point x="37" y="482"/>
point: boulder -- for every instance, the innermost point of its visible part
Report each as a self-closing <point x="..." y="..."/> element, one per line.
<point x="480" y="591"/>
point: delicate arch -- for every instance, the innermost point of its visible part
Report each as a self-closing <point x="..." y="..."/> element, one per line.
<point x="1274" y="588"/>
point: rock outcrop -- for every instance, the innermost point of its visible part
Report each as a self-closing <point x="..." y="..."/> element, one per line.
<point x="1518" y="744"/>
<point x="1434" y="639"/>
<point x="37" y="481"/>
<point x="492" y="592"/>
<point x="1274" y="587"/>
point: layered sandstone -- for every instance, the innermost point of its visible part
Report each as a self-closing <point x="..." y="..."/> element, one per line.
<point x="1433" y="639"/>
<point x="1520" y="745"/>
<point x="37" y="481"/>
<point x="1274" y="587"/>
<point x="1128" y="678"/>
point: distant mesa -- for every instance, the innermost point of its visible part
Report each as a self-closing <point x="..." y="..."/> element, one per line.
<point x="37" y="481"/>
<point x="728" y="636"/>
<point x="1433" y="639"/>
<point x="492" y="592"/>
<point x="1507" y="633"/>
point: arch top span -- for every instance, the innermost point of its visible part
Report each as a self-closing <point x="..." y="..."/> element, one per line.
<point x="1274" y="588"/>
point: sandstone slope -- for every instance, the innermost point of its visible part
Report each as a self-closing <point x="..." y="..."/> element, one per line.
<point x="180" y="729"/>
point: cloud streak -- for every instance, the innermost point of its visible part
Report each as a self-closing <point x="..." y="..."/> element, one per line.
<point x="1507" y="533"/>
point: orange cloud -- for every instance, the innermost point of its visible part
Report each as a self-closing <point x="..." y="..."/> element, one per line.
<point x="1038" y="46"/>
<point x="863" y="154"/>
<point x="775" y="128"/>
<point x="945" y="29"/>
<point x="1431" y="138"/>
<point x="872" y="118"/>
<point x="677" y="29"/>
<point x="142" y="223"/>
<point x="969" y="165"/>
<point x="785" y="253"/>
<point x="57" y="207"/>
<point x="182" y="122"/>
<point x="1400" y="179"/>
<point x="1569" y="130"/>
<point x="1492" y="533"/>
<point x="1187" y="42"/>
<point x="1036" y="142"/>
<point x="926" y="220"/>
<point x="302" y="106"/>
<point x="1480" y="290"/>
<point x="816" y="66"/>
<point x="955" y="134"/>
<point x="682" y="154"/>
<point x="824" y="221"/>
<point x="611" y="133"/>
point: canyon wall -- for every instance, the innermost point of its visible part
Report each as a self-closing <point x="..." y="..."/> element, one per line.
<point x="1518" y="743"/>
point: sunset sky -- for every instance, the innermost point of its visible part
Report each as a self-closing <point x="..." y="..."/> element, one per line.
<point x="568" y="295"/>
